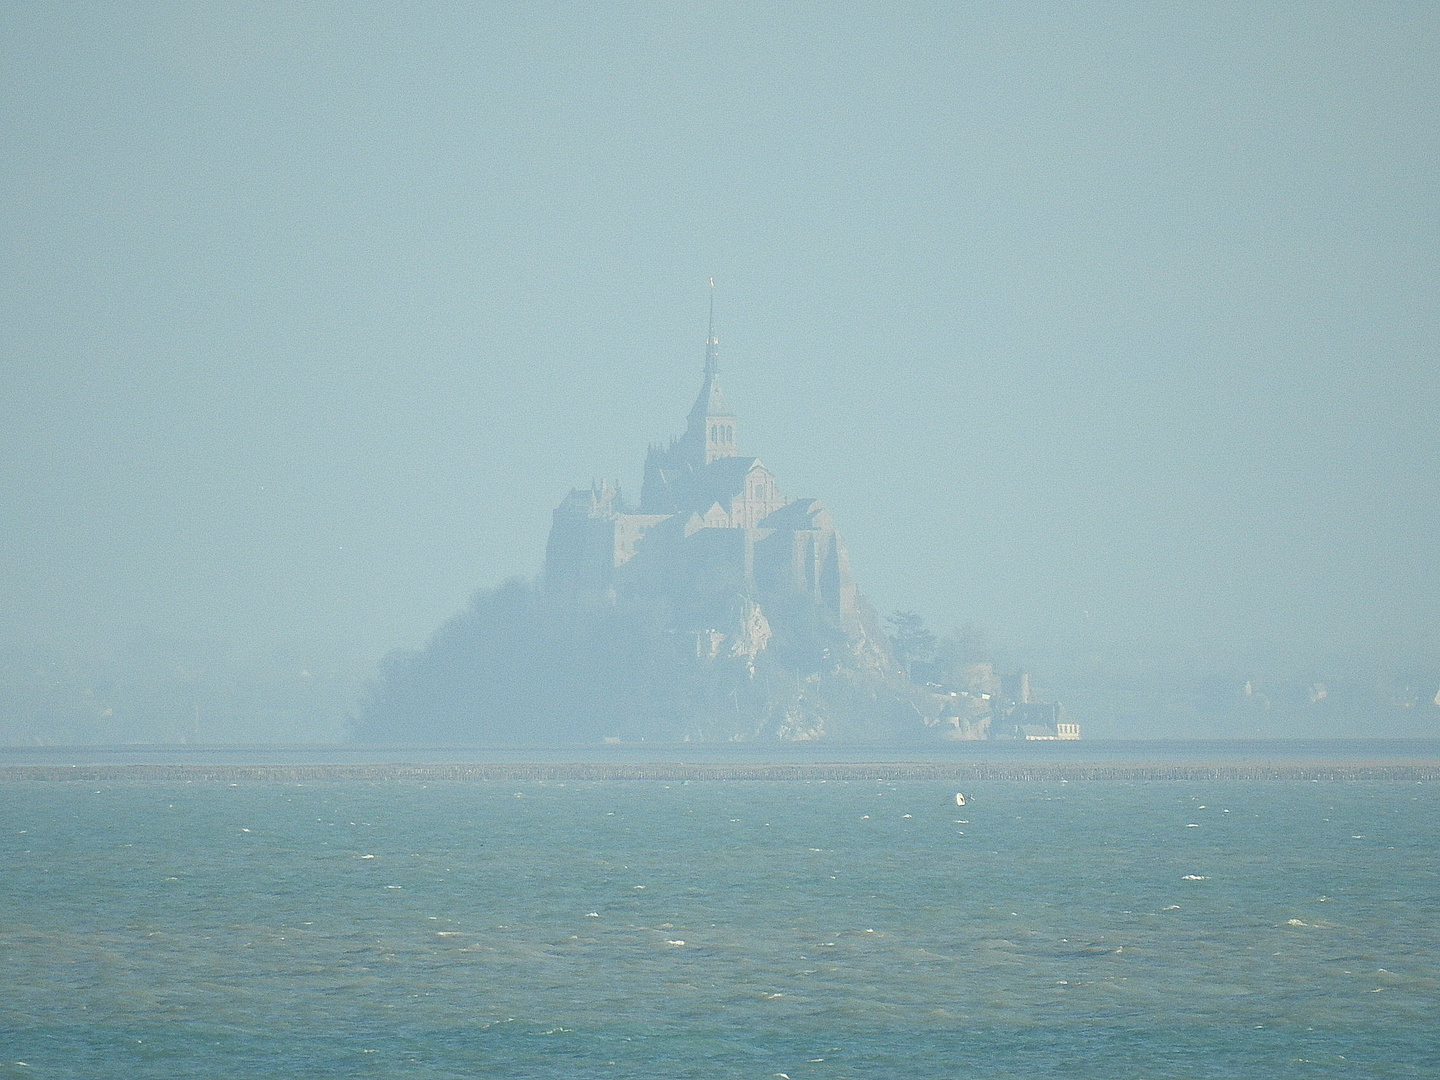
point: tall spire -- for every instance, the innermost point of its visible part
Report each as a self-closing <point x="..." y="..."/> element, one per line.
<point x="712" y="343"/>
<point x="710" y="433"/>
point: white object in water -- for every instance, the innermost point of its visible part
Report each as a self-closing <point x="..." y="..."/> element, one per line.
<point x="959" y="799"/>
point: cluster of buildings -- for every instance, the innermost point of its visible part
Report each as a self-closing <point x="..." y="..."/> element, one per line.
<point x="986" y="706"/>
<point x="713" y="535"/>
<point x="739" y="570"/>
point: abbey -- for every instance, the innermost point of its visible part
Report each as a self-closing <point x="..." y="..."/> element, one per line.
<point x="711" y="609"/>
<point x="714" y="538"/>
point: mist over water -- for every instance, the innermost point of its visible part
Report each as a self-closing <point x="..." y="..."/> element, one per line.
<point x="651" y="928"/>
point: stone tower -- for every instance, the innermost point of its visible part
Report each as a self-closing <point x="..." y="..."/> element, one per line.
<point x="710" y="432"/>
<point x="709" y="436"/>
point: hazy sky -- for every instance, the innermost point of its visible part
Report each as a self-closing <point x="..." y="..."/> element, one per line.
<point x="311" y="313"/>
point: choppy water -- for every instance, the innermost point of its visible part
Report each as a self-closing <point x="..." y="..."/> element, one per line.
<point x="720" y="929"/>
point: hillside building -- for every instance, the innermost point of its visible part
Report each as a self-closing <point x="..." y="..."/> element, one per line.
<point x="721" y="560"/>
<point x="713" y="535"/>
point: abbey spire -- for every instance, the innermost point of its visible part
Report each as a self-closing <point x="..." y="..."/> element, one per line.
<point x="710" y="432"/>
<point x="709" y="438"/>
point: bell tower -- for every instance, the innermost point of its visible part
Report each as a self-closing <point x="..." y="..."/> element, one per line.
<point x="709" y="436"/>
<point x="710" y="433"/>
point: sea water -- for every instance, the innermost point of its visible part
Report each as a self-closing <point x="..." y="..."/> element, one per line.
<point x="647" y="928"/>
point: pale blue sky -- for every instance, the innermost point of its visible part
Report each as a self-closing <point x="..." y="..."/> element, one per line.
<point x="311" y="313"/>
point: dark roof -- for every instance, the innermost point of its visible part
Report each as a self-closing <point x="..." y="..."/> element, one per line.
<point x="800" y="514"/>
<point x="710" y="402"/>
<point x="720" y="481"/>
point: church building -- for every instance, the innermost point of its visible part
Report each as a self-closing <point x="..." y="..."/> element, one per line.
<point x="712" y="608"/>
<point x="713" y="535"/>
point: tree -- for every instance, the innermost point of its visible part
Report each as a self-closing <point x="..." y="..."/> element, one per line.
<point x="914" y="644"/>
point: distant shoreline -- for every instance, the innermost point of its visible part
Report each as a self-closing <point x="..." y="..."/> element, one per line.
<point x="956" y="773"/>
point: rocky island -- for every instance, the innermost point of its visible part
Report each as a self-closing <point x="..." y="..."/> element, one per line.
<point x="714" y="609"/>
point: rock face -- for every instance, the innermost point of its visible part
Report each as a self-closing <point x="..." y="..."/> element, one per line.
<point x="715" y="609"/>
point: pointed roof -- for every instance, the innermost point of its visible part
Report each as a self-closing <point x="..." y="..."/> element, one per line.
<point x="718" y="482"/>
<point x="799" y="515"/>
<point x="711" y="401"/>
